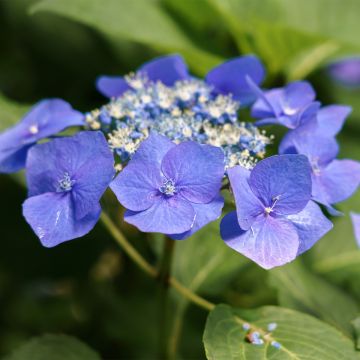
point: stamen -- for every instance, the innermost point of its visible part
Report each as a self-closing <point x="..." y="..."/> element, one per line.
<point x="33" y="129"/>
<point x="168" y="188"/>
<point x="65" y="184"/>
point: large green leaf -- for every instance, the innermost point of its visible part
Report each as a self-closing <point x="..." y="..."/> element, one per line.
<point x="301" y="336"/>
<point x="142" y="21"/>
<point x="294" y="36"/>
<point x="302" y="290"/>
<point x="54" y="347"/>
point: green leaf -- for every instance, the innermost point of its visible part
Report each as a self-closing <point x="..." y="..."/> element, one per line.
<point x="356" y="325"/>
<point x="204" y="263"/>
<point x="54" y="347"/>
<point x="10" y="112"/>
<point x="294" y="37"/>
<point x="141" y="21"/>
<point x="301" y="336"/>
<point x="300" y="289"/>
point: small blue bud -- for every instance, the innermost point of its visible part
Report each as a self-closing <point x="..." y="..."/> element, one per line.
<point x="276" y="345"/>
<point x="272" y="326"/>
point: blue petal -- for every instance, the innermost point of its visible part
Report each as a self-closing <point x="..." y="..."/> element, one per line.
<point x="205" y="213"/>
<point x="230" y="78"/>
<point x="197" y="170"/>
<point x="248" y="206"/>
<point x="297" y="95"/>
<point x="51" y="116"/>
<point x="315" y="147"/>
<point x="268" y="104"/>
<point x="153" y="150"/>
<point x="94" y="172"/>
<point x="137" y="186"/>
<point x="311" y="225"/>
<point x="46" y="118"/>
<point x="112" y="86"/>
<point x="52" y="217"/>
<point x="336" y="182"/>
<point x="283" y="177"/>
<point x="85" y="157"/>
<point x="168" y="215"/>
<point x="13" y="160"/>
<point x="355" y="218"/>
<point x="346" y="71"/>
<point x="331" y="119"/>
<point x="167" y="69"/>
<point x="270" y="241"/>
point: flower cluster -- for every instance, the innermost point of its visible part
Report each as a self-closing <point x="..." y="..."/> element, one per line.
<point x="183" y="109"/>
<point x="177" y="142"/>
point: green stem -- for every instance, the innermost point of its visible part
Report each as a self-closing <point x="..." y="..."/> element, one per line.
<point x="127" y="247"/>
<point x="176" y="329"/>
<point x="148" y="268"/>
<point x="163" y="277"/>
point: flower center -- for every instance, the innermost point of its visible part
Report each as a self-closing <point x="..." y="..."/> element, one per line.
<point x="168" y="188"/>
<point x="315" y="166"/>
<point x="33" y="129"/>
<point x="270" y="209"/>
<point x="65" y="184"/>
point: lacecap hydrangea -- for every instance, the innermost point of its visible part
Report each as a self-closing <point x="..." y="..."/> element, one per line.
<point x="169" y="144"/>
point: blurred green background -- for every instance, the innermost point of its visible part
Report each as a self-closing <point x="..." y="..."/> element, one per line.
<point x="88" y="288"/>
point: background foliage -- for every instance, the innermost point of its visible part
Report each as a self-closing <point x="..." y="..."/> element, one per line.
<point x="88" y="288"/>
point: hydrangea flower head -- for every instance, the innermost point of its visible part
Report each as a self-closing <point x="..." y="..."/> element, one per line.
<point x="163" y="98"/>
<point x="283" y="106"/>
<point x="274" y="219"/>
<point x="171" y="189"/>
<point x="66" y="178"/>
<point x="46" y="118"/>
<point x="332" y="180"/>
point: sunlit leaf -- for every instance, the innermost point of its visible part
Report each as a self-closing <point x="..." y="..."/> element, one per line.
<point x="301" y="336"/>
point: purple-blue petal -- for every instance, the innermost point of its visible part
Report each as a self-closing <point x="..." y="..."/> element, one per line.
<point x="167" y="69"/>
<point x="94" y="168"/>
<point x="346" y="71"/>
<point x="268" y="104"/>
<point x="205" y="213"/>
<point x="112" y="86"/>
<point x="331" y="119"/>
<point x="197" y="170"/>
<point x="168" y="215"/>
<point x="84" y="157"/>
<point x="320" y="150"/>
<point x="336" y="182"/>
<point x="248" y="206"/>
<point x="355" y="218"/>
<point x="52" y="217"/>
<point x="270" y="242"/>
<point x="230" y="77"/>
<point x="46" y="118"/>
<point x="13" y="160"/>
<point x="51" y="116"/>
<point x="137" y="186"/>
<point x="284" y="180"/>
<point x="153" y="149"/>
<point x="297" y="95"/>
<point x="311" y="225"/>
